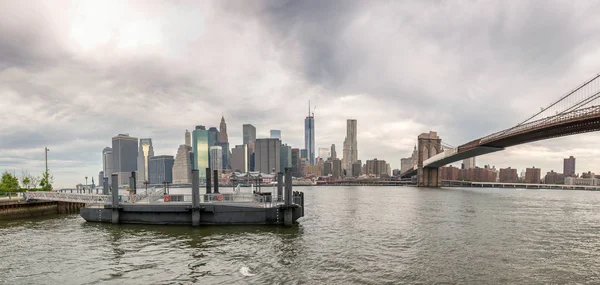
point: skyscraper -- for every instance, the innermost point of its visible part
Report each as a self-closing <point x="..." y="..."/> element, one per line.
<point x="350" y="145"/>
<point x="249" y="133"/>
<point x="469" y="163"/>
<point x="286" y="157"/>
<point x="276" y="134"/>
<point x="296" y="163"/>
<point x="323" y="153"/>
<point x="569" y="166"/>
<point x="188" y="138"/>
<point x="182" y="167"/>
<point x="309" y="136"/>
<point x="124" y="150"/>
<point x="107" y="163"/>
<point x="267" y="154"/>
<point x="145" y="151"/>
<point x="200" y="149"/>
<point x="213" y="136"/>
<point x="333" y="154"/>
<point x="239" y="158"/>
<point x="216" y="158"/>
<point x="160" y="169"/>
<point x="223" y="131"/>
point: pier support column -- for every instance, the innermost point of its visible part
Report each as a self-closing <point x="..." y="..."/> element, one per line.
<point x="105" y="186"/>
<point x="115" y="198"/>
<point x="287" y="212"/>
<point x="195" y="198"/>
<point x="208" y="181"/>
<point x="279" y="186"/>
<point x="216" y="182"/>
<point x="429" y="177"/>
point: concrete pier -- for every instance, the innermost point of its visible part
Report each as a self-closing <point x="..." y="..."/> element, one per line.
<point x="115" y="199"/>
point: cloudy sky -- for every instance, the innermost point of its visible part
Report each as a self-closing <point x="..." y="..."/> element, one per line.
<point x="72" y="75"/>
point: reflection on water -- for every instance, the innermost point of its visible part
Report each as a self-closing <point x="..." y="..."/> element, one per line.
<point x="349" y="235"/>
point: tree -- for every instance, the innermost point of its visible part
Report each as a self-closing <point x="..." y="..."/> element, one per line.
<point x="46" y="182"/>
<point x="26" y="182"/>
<point x="34" y="180"/>
<point x="9" y="183"/>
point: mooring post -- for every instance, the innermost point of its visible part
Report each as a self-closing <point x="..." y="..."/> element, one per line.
<point x="115" y="198"/>
<point x="195" y="198"/>
<point x="105" y="186"/>
<point x="216" y="180"/>
<point x="279" y="186"/>
<point x="208" y="181"/>
<point x="287" y="212"/>
<point x="133" y="182"/>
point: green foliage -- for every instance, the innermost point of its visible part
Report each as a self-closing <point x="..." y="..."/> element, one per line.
<point x="26" y="182"/>
<point x="46" y="182"/>
<point x="9" y="183"/>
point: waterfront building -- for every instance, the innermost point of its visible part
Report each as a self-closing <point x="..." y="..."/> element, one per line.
<point x="449" y="173"/>
<point x="223" y="137"/>
<point x="356" y="168"/>
<point x="469" y="163"/>
<point x="376" y="167"/>
<point x="216" y="158"/>
<point x="200" y="149"/>
<point x="582" y="181"/>
<point x="160" y="169"/>
<point x="239" y="158"/>
<point x="478" y="174"/>
<point x="107" y="163"/>
<point x="125" y="151"/>
<point x="286" y="157"/>
<point x="296" y="163"/>
<point x="350" y="154"/>
<point x="267" y="154"/>
<point x="275" y="134"/>
<point x="533" y="175"/>
<point x="508" y="175"/>
<point x="554" y="178"/>
<point x="309" y="136"/>
<point x="249" y="133"/>
<point x="336" y="169"/>
<point x="312" y="170"/>
<point x="145" y="151"/>
<point x="327" y="168"/>
<point x="569" y="166"/>
<point x="333" y="154"/>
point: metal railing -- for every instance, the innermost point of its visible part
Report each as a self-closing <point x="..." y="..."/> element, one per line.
<point x="67" y="197"/>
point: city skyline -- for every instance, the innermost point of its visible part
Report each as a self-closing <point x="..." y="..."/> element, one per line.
<point x="73" y="89"/>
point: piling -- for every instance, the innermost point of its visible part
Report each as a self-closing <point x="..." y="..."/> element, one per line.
<point x="216" y="178"/>
<point x="105" y="186"/>
<point x="287" y="212"/>
<point x="115" y="199"/>
<point x="133" y="183"/>
<point x="279" y="186"/>
<point x="207" y="180"/>
<point x="195" y="198"/>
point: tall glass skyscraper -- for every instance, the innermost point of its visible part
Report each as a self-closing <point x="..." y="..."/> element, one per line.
<point x="249" y="133"/>
<point x="200" y="148"/>
<point x="216" y="158"/>
<point x="309" y="138"/>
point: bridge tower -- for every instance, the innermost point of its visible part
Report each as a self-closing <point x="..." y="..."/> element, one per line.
<point x="429" y="144"/>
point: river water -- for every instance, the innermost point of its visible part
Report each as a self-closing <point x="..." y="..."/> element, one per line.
<point x="350" y="235"/>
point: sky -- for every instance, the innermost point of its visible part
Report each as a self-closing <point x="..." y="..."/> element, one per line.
<point x="74" y="74"/>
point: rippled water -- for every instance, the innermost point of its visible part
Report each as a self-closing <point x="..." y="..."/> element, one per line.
<point x="362" y="235"/>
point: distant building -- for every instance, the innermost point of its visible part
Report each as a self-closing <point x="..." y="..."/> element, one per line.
<point x="312" y="170"/>
<point x="554" y="178"/>
<point x="160" y="169"/>
<point x="200" y="149"/>
<point x="239" y="158"/>
<point x="188" y="138"/>
<point x="223" y="138"/>
<point x="327" y="168"/>
<point x="267" y="155"/>
<point x="449" y="173"/>
<point x="508" y="175"/>
<point x="333" y="154"/>
<point x="101" y="178"/>
<point x="569" y="166"/>
<point x="286" y="157"/>
<point x="582" y="181"/>
<point x="213" y="137"/>
<point x="336" y="169"/>
<point x="275" y="134"/>
<point x="125" y="151"/>
<point x="406" y="164"/>
<point x="350" y="144"/>
<point x="249" y="133"/>
<point x="323" y="153"/>
<point x="296" y="163"/>
<point x="216" y="158"/>
<point x="376" y="167"/>
<point x="145" y="151"/>
<point x="182" y="167"/>
<point x="533" y="175"/>
<point x="309" y="137"/>
<point x="356" y="169"/>
<point x="477" y="174"/>
<point x="107" y="163"/>
<point x="469" y="163"/>
<point x="303" y="154"/>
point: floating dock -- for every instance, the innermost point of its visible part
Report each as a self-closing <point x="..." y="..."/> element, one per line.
<point x="212" y="208"/>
